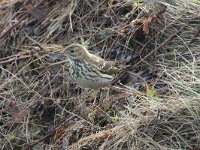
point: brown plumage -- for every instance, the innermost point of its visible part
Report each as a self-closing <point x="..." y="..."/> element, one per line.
<point x="88" y="70"/>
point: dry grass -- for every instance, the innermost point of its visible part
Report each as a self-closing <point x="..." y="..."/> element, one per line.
<point x="41" y="108"/>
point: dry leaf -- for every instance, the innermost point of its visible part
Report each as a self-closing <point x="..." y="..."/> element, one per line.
<point x="146" y="25"/>
<point x="60" y="134"/>
<point x="7" y="3"/>
<point x="16" y="114"/>
<point x="136" y="22"/>
<point x="108" y="106"/>
<point x="115" y="119"/>
<point x="10" y="136"/>
<point x="150" y="91"/>
<point x="35" y="12"/>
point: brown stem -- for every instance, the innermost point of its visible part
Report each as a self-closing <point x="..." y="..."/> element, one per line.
<point x="5" y="32"/>
<point x="194" y="37"/>
<point x="131" y="68"/>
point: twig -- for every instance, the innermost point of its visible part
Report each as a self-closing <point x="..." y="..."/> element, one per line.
<point x="157" y="48"/>
<point x="50" y="133"/>
<point x="10" y="57"/>
<point x="94" y="138"/>
<point x="5" y="32"/>
<point x="15" y="59"/>
<point x="131" y="124"/>
<point x="112" y="45"/>
<point x="194" y="37"/>
<point x="131" y="68"/>
<point x="34" y="41"/>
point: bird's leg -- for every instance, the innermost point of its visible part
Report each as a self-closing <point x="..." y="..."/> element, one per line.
<point x="97" y="96"/>
<point x="107" y="103"/>
<point x="108" y="94"/>
<point x="79" y="92"/>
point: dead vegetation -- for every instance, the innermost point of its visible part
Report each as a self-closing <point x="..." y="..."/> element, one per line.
<point x="157" y="46"/>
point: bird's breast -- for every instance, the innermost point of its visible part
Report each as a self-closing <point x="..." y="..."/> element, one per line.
<point x="88" y="76"/>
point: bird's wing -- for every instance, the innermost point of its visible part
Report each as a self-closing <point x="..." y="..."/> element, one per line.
<point x="107" y="67"/>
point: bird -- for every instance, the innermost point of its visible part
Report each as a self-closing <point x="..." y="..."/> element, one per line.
<point x="88" y="70"/>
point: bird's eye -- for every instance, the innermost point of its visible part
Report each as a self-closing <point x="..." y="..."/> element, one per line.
<point x="72" y="51"/>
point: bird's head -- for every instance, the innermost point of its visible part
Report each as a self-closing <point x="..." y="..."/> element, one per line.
<point x="76" y="52"/>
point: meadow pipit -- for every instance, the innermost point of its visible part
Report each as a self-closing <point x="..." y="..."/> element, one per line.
<point x="88" y="70"/>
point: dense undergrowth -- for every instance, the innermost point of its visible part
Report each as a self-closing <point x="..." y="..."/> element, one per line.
<point x="157" y="108"/>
